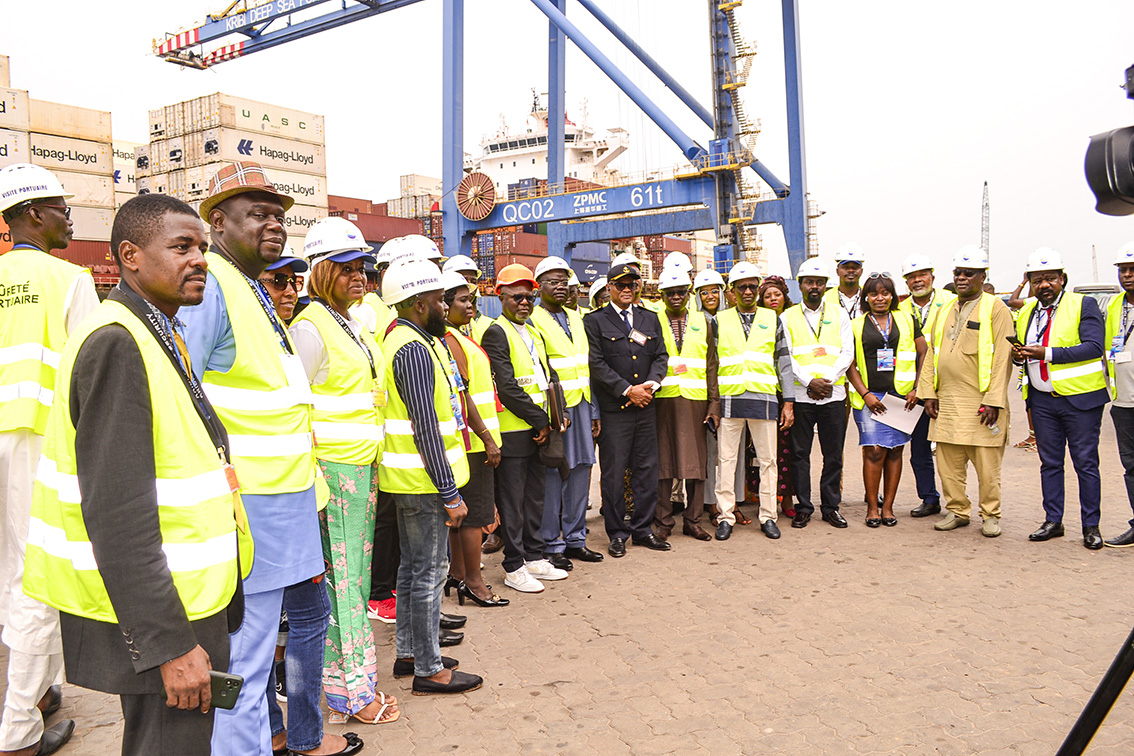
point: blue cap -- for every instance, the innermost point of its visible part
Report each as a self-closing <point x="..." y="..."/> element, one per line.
<point x="348" y="256"/>
<point x="298" y="264"/>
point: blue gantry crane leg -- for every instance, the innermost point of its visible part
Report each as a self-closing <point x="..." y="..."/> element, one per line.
<point x="556" y="118"/>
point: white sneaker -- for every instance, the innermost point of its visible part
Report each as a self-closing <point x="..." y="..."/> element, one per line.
<point x="522" y="581"/>
<point x="542" y="568"/>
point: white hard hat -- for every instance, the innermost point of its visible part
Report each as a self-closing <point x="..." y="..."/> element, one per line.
<point x="451" y="279"/>
<point x="596" y="287"/>
<point x="459" y="263"/>
<point x="412" y="247"/>
<point x="813" y="267"/>
<point x="409" y="279"/>
<point x="548" y="264"/>
<point x="384" y="255"/>
<point x="708" y="278"/>
<point x="24" y="181"/>
<point x="971" y="256"/>
<point x="850" y="252"/>
<point x="1044" y="258"/>
<point x="625" y="258"/>
<point x="573" y="280"/>
<point x="914" y="263"/>
<point x="1125" y="254"/>
<point x="741" y="271"/>
<point x="672" y="278"/>
<point x="677" y="261"/>
<point x="335" y="239"/>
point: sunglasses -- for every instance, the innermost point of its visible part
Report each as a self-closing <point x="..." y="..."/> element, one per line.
<point x="66" y="210"/>
<point x="521" y="298"/>
<point x="880" y="274"/>
<point x="283" y="280"/>
<point x="624" y="285"/>
<point x="677" y="292"/>
<point x="747" y="287"/>
<point x="966" y="272"/>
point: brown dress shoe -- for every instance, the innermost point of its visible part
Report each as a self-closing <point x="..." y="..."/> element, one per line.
<point x="491" y="544"/>
<point x="664" y="532"/>
<point x="694" y="529"/>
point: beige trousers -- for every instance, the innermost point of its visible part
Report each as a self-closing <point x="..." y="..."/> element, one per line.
<point x="952" y="465"/>
<point x="763" y="433"/>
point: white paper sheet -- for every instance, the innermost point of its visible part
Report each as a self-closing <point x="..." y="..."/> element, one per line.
<point x="896" y="415"/>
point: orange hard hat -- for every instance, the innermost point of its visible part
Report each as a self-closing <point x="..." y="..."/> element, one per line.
<point x="515" y="273"/>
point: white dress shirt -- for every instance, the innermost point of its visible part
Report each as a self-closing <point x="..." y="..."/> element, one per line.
<point x="836" y="371"/>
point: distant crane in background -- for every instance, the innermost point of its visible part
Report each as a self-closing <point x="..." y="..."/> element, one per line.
<point x="984" y="220"/>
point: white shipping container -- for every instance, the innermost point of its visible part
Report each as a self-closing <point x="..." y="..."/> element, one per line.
<point x="175" y="153"/>
<point x="155" y="184"/>
<point x="221" y="110"/>
<point x="13" y="147"/>
<point x="197" y="181"/>
<point x="157" y="124"/>
<point x="5" y="79"/>
<point x="69" y="121"/>
<point x="414" y="184"/>
<point x="300" y="218"/>
<point x="142" y="161"/>
<point x="120" y="198"/>
<point x="174" y="121"/>
<point x="14" y="109"/>
<point x="302" y="187"/>
<point x="92" y="223"/>
<point x="232" y="145"/>
<point x="65" y="154"/>
<point x="90" y="190"/>
<point x="125" y="167"/>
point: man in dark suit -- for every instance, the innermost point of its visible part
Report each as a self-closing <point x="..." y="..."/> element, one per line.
<point x="628" y="362"/>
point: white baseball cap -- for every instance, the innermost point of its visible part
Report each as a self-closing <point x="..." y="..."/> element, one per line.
<point x="550" y="263"/>
<point x="914" y="263"/>
<point x="971" y="256"/>
<point x="813" y="267"/>
<point x="708" y="277"/>
<point x="850" y="252"/>
<point x="672" y="278"/>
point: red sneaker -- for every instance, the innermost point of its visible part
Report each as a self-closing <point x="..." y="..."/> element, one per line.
<point x="383" y="611"/>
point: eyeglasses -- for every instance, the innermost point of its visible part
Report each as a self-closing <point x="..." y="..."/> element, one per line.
<point x="550" y="283"/>
<point x="624" y="285"/>
<point x="966" y="272"/>
<point x="66" y="210"/>
<point x="879" y="274"/>
<point x="521" y="298"/>
<point x="746" y="286"/>
<point x="283" y="280"/>
<point x="677" y="292"/>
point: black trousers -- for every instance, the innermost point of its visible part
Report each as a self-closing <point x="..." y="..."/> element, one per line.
<point x="520" y="484"/>
<point x="629" y="439"/>
<point x="832" y="422"/>
<point x="1123" y="418"/>
<point x="387" y="553"/>
<point x="150" y="727"/>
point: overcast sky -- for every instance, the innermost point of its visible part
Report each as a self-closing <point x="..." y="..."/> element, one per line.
<point x="909" y="107"/>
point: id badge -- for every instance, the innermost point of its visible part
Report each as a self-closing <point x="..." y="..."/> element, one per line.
<point x="458" y="413"/>
<point x="638" y="337"/>
<point x="679" y="367"/>
<point x="541" y="381"/>
<point x="237" y="503"/>
<point x="885" y="360"/>
<point x="820" y="351"/>
<point x="1122" y="358"/>
<point x="296" y="377"/>
<point x="379" y="397"/>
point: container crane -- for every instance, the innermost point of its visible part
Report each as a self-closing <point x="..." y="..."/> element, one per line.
<point x="713" y="192"/>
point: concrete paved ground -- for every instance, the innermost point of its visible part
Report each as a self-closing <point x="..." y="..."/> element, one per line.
<point x="857" y="641"/>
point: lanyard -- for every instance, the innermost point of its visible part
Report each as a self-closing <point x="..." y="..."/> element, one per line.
<point x="1043" y="316"/>
<point x="356" y="339"/>
<point x="1126" y="307"/>
<point x="265" y="303"/>
<point x="922" y="313"/>
<point x="886" y="333"/>
<point x="814" y="332"/>
<point x="853" y="303"/>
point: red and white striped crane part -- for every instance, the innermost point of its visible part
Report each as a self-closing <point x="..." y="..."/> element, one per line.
<point x="221" y="54"/>
<point x="177" y="41"/>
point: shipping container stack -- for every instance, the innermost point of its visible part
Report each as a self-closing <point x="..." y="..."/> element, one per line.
<point x="192" y="140"/>
<point x="125" y="176"/>
<point x="419" y="195"/>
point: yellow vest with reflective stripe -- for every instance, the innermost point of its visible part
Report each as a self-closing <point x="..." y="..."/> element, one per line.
<point x="33" y="293"/>
<point x="402" y="469"/>
<point x="984" y="346"/>
<point x="524" y="369"/>
<point x="268" y="420"/>
<point x="831" y="299"/>
<point x="905" y="360"/>
<point x="693" y="382"/>
<point x="195" y="505"/>
<point x="1113" y="324"/>
<point x="805" y="343"/>
<point x="747" y="364"/>
<point x="481" y="389"/>
<point x="1067" y="378"/>
<point x="384" y="314"/>
<point x="349" y="429"/>
<point x="941" y="299"/>
<point x="569" y="356"/>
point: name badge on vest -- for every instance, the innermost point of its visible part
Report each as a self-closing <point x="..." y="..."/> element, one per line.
<point x="638" y="337"/>
<point x="458" y="413"/>
<point x="526" y="380"/>
<point x="819" y="351"/>
<point x="296" y="377"/>
<point x="678" y="367"/>
<point x="379" y="397"/>
<point x="885" y="360"/>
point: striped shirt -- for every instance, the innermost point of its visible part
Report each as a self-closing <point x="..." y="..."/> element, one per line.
<point x="413" y="378"/>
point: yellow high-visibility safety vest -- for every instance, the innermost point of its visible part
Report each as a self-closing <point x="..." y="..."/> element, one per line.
<point x="402" y="469"/>
<point x="1067" y="378"/>
<point x="984" y="343"/>
<point x="815" y="351"/>
<point x="33" y="330"/>
<point x="747" y="364"/>
<point x="478" y="326"/>
<point x="940" y="300"/>
<point x="569" y="356"/>
<point x="831" y="298"/>
<point x="264" y="400"/>
<point x="350" y="406"/>
<point x="481" y="389"/>
<point x="685" y="373"/>
<point x="384" y="314"/>
<point x="196" y="508"/>
<point x="1113" y="325"/>
<point x="905" y="360"/>
<point x="524" y="369"/>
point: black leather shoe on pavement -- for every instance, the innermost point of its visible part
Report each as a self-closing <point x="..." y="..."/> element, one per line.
<point x="652" y="542"/>
<point x="1047" y="531"/>
<point x="617" y="548"/>
<point x="404" y="667"/>
<point x="1091" y="538"/>
<point x="560" y="561"/>
<point x="771" y="529"/>
<point x="453" y="621"/>
<point x="724" y="530"/>
<point x="835" y="518"/>
<point x="449" y="638"/>
<point x="54" y="699"/>
<point x="461" y="682"/>
<point x="926" y="509"/>
<point x="55" y="737"/>
<point x="801" y="519"/>
<point x="582" y="554"/>
<point x="1123" y="541"/>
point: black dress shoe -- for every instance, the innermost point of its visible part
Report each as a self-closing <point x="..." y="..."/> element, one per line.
<point x="492" y="544"/>
<point x="1047" y="531"/>
<point x="835" y="518"/>
<point x="926" y="509"/>
<point x="1123" y="541"/>
<point x="55" y="737"/>
<point x="617" y="548"/>
<point x="724" y="530"/>
<point x="652" y="542"/>
<point x="771" y="529"/>
<point x="404" y="667"/>
<point x="453" y="621"/>
<point x="449" y="638"/>
<point x="353" y="745"/>
<point x="801" y="519"/>
<point x="460" y="682"/>
<point x="582" y="554"/>
<point x="54" y="698"/>
<point x="560" y="561"/>
<point x="1091" y="538"/>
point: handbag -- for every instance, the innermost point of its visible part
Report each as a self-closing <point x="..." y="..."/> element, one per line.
<point x="552" y="453"/>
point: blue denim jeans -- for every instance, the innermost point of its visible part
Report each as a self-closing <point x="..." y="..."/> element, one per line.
<point x="307" y="606"/>
<point x="424" y="540"/>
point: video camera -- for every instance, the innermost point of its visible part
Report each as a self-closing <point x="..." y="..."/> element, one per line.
<point x="1110" y="165"/>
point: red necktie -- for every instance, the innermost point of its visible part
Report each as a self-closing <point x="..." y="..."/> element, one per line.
<point x="1046" y="333"/>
